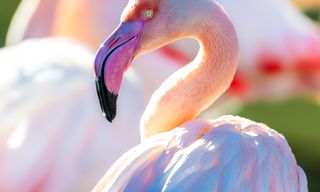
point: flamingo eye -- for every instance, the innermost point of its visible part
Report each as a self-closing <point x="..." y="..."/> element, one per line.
<point x="148" y="14"/>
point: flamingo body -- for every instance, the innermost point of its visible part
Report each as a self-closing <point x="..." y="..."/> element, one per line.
<point x="52" y="135"/>
<point x="226" y="154"/>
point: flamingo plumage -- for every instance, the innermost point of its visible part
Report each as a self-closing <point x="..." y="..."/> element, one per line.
<point x="226" y="154"/>
<point x="52" y="132"/>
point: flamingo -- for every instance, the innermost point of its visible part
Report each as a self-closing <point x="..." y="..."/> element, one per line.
<point x="280" y="48"/>
<point x="226" y="154"/>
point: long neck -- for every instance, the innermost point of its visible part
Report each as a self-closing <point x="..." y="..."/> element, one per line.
<point x="193" y="88"/>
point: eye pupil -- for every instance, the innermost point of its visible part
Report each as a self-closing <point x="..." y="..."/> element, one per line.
<point x="148" y="14"/>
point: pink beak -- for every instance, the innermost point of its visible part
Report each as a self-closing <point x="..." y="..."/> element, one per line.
<point x="112" y="59"/>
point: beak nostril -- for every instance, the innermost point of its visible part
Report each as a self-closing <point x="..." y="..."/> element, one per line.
<point x="112" y="43"/>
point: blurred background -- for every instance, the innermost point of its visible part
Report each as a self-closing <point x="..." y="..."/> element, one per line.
<point x="298" y="119"/>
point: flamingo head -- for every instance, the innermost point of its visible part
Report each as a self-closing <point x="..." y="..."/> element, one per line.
<point x="145" y="25"/>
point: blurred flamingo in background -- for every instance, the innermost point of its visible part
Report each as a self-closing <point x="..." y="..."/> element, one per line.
<point x="279" y="50"/>
<point x="52" y="135"/>
<point x="227" y="154"/>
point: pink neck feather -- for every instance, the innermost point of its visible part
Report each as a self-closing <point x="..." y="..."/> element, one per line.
<point x="193" y="88"/>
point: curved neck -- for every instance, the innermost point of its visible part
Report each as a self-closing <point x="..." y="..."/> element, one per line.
<point x="193" y="88"/>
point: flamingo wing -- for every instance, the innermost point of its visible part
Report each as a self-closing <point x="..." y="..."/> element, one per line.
<point x="227" y="154"/>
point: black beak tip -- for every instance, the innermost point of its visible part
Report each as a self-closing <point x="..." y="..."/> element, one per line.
<point x="109" y="117"/>
<point x="108" y="100"/>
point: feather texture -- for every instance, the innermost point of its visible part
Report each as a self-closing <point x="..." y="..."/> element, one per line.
<point x="226" y="154"/>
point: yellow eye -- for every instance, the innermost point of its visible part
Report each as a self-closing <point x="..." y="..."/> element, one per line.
<point x="148" y="14"/>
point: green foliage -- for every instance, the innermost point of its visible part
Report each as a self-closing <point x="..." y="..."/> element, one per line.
<point x="7" y="8"/>
<point x="313" y="14"/>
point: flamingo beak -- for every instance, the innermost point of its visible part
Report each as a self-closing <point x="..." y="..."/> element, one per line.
<point x="112" y="59"/>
